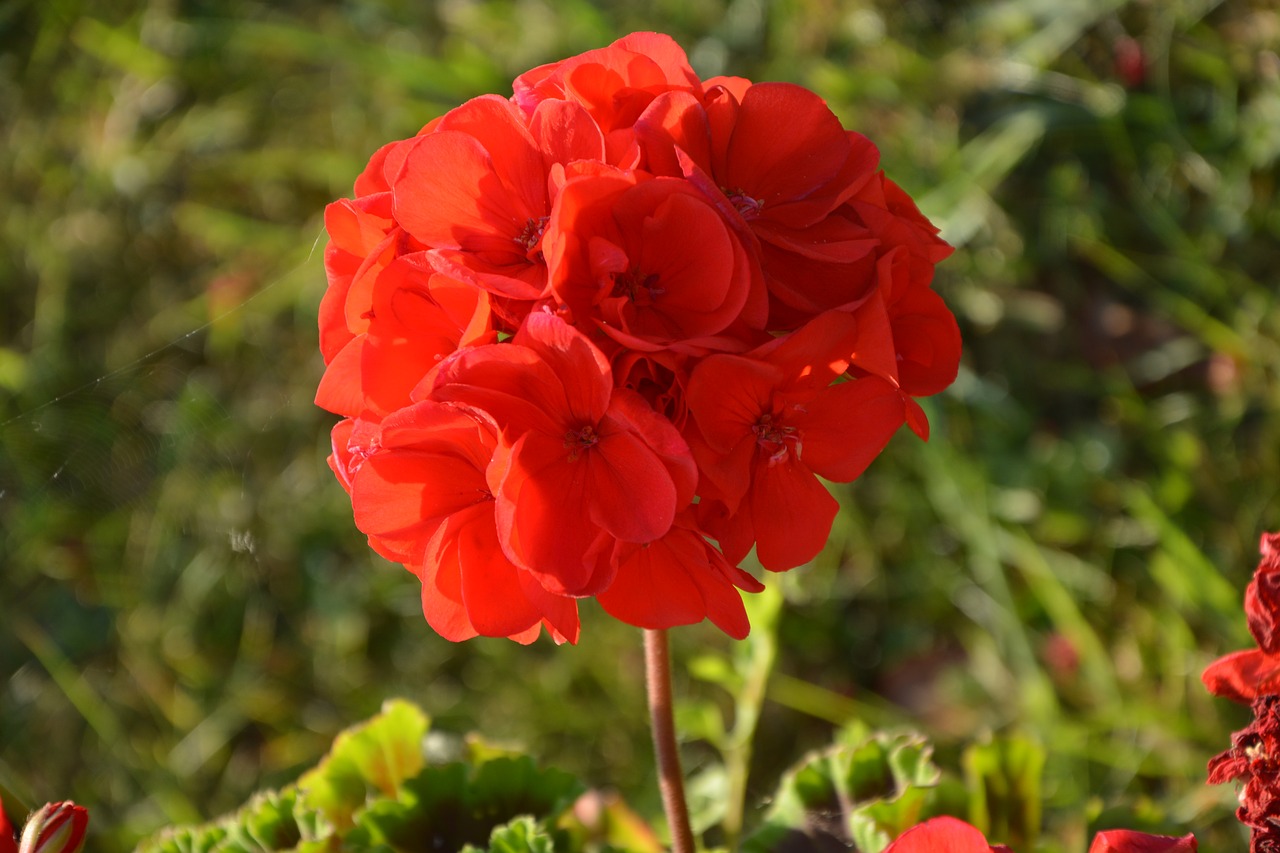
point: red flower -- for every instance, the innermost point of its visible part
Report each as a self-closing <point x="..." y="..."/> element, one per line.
<point x="415" y="318"/>
<point x="1254" y="759"/>
<point x="581" y="465"/>
<point x="768" y="421"/>
<point x="418" y="484"/>
<point x="678" y="580"/>
<point x="614" y="84"/>
<point x="476" y="192"/>
<point x="652" y="263"/>
<point x="1253" y="677"/>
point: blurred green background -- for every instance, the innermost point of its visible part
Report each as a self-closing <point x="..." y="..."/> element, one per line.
<point x="187" y="612"/>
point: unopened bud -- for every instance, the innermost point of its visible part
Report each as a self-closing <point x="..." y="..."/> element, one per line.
<point x="55" y="828"/>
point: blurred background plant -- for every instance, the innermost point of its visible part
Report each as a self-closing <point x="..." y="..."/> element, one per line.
<point x="187" y="612"/>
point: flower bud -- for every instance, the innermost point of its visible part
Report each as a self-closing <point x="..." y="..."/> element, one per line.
<point x="55" y="828"/>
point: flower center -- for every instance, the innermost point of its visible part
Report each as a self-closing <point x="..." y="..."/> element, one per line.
<point x="637" y="287"/>
<point x="748" y="207"/>
<point x="776" y="439"/>
<point x="579" y="441"/>
<point x="532" y="234"/>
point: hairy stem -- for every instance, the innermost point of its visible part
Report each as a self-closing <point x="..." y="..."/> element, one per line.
<point x="657" y="660"/>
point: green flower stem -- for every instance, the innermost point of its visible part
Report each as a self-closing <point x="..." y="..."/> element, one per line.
<point x="657" y="660"/>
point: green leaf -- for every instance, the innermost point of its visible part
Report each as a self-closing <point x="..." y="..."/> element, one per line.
<point x="450" y="806"/>
<point x="522" y="835"/>
<point x="188" y="839"/>
<point x="266" y="823"/>
<point x="864" y="791"/>
<point x="372" y="758"/>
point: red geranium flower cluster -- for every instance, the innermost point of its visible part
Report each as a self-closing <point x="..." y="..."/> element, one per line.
<point x="1252" y="677"/>
<point x="578" y="333"/>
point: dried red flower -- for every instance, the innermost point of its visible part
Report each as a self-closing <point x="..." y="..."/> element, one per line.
<point x="1252" y="677"/>
<point x="578" y="334"/>
<point x="1254" y="760"/>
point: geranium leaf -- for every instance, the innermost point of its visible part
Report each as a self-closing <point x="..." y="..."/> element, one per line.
<point x="522" y="835"/>
<point x="863" y="791"/>
<point x="372" y="758"/>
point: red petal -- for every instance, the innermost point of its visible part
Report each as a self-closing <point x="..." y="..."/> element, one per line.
<point x="674" y="120"/>
<point x="782" y="169"/>
<point x="630" y="409"/>
<point x="917" y="420"/>
<point x="1129" y="841"/>
<point x="927" y="340"/>
<point x="510" y="383"/>
<point x="654" y="588"/>
<point x="560" y="613"/>
<point x="1243" y="676"/>
<point x="940" y="835"/>
<point x="442" y="597"/>
<point x="875" y="351"/>
<point x="847" y="425"/>
<point x="491" y="590"/>
<point x="792" y="512"/>
<point x="565" y="132"/>
<point x="581" y="366"/>
<point x="340" y="388"/>
<point x="630" y="492"/>
<point x="816" y="353"/>
<point x="543" y="506"/>
<point x="727" y="396"/>
<point x="497" y="125"/>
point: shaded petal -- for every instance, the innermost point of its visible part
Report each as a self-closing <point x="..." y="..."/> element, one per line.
<point x="543" y="518"/>
<point x="927" y="340"/>
<point x="783" y="169"/>
<point x="727" y="396"/>
<point x="491" y="590"/>
<point x="846" y="426"/>
<point x="582" y="368"/>
<point x="792" y="512"/>
<point x="654" y="588"/>
<point x="559" y="613"/>
<point x="630" y="492"/>
<point x="442" y="596"/>
<point x="815" y="354"/>
<point x="511" y="383"/>
<point x="630" y="409"/>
